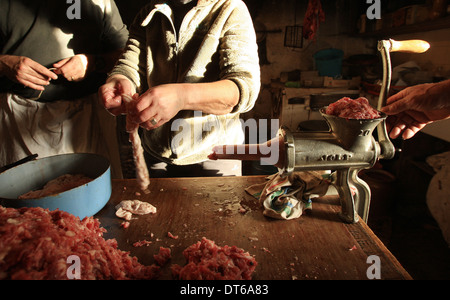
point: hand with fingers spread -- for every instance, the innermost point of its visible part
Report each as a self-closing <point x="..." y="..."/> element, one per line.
<point x="413" y="108"/>
<point x="110" y="94"/>
<point x="25" y="71"/>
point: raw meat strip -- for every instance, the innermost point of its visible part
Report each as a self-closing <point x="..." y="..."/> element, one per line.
<point x="314" y="15"/>
<point x="142" y="175"/>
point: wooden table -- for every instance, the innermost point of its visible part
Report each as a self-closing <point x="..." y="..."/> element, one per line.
<point x="317" y="245"/>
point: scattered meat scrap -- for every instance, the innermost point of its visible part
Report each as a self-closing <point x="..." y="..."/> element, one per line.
<point x="352" y="248"/>
<point x="175" y="237"/>
<point x="126" y="208"/>
<point x="125" y="224"/>
<point x="35" y="244"/>
<point x="207" y="261"/>
<point x="242" y="209"/>
<point x="142" y="243"/>
<point x="353" y="109"/>
<point x="266" y="250"/>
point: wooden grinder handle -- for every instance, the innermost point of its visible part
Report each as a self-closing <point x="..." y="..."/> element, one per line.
<point x="409" y="46"/>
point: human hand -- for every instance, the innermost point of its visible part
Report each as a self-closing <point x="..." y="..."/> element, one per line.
<point x="413" y="108"/>
<point x="157" y="105"/>
<point x="110" y="94"/>
<point x="72" y="68"/>
<point x="26" y="71"/>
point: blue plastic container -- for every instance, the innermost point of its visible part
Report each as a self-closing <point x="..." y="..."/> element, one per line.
<point x="83" y="201"/>
<point x="329" y="62"/>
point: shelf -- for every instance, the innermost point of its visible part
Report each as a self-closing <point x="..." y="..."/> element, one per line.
<point x="441" y="23"/>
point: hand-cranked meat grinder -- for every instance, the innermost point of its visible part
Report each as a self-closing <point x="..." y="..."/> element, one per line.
<point x="346" y="149"/>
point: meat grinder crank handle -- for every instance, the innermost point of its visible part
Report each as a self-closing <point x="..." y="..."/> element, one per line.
<point x="385" y="47"/>
<point x="409" y="46"/>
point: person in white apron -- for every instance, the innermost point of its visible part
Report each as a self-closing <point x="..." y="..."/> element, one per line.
<point x="51" y="65"/>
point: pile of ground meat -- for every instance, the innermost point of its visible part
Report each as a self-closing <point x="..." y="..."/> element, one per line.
<point x="35" y="244"/>
<point x="207" y="261"/>
<point x="163" y="256"/>
<point x="353" y="109"/>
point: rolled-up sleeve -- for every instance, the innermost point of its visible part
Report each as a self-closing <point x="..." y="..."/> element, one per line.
<point x="239" y="57"/>
<point x="132" y="63"/>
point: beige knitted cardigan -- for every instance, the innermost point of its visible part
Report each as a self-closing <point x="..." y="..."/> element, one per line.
<point x="216" y="41"/>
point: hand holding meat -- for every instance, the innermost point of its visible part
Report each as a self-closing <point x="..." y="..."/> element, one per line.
<point x="413" y="108"/>
<point x="162" y="103"/>
<point x="26" y="71"/>
<point x="157" y="105"/>
<point x="111" y="92"/>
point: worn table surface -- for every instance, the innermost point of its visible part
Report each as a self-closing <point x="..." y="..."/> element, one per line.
<point x="318" y="245"/>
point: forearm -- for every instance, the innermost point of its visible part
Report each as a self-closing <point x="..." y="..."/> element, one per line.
<point x="440" y="94"/>
<point x="217" y="98"/>
<point x="122" y="78"/>
<point x="2" y="65"/>
<point x="25" y="71"/>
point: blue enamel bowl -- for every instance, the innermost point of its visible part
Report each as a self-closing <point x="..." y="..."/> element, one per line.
<point x="82" y="201"/>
